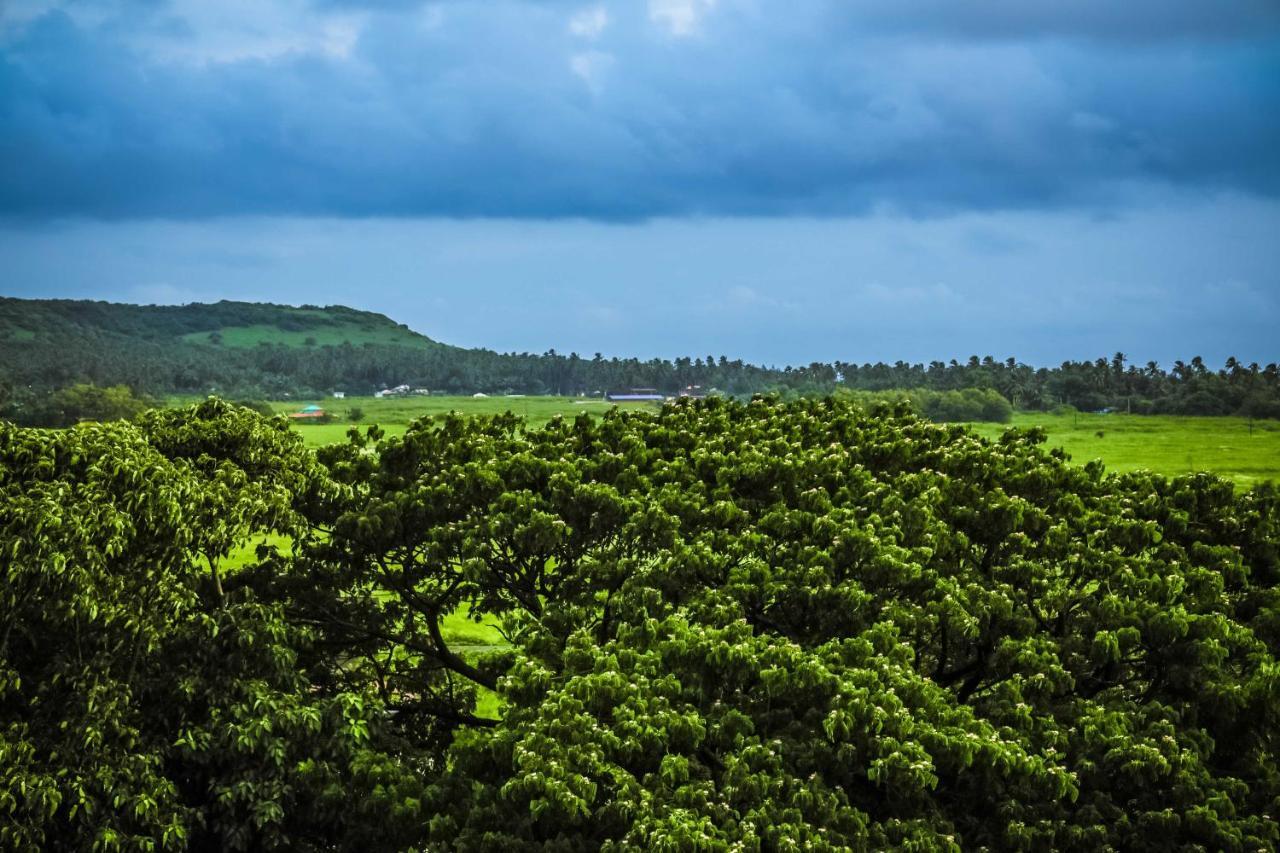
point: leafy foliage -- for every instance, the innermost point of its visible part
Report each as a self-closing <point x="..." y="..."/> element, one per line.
<point x="774" y="625"/>
<point x="141" y="705"/>
<point x="971" y="405"/>
<point x="85" y="402"/>
<point x="728" y="626"/>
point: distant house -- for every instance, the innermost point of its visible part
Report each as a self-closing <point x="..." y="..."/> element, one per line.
<point x="636" y="395"/>
<point x="398" y="391"/>
<point x="310" y="412"/>
<point x="693" y="391"/>
<point x="339" y="395"/>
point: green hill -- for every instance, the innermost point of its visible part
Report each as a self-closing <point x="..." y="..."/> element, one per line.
<point x="263" y="351"/>
<point x="235" y="325"/>
<point x="266" y="351"/>
<point x="238" y="349"/>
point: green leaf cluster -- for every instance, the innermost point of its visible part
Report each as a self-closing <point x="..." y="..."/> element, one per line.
<point x="145" y="702"/>
<point x="773" y="626"/>
<point x="724" y="626"/>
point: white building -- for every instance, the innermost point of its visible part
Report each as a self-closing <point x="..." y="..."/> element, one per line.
<point x="398" y="391"/>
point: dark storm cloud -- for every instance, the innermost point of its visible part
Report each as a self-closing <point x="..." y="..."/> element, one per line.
<point x="627" y="111"/>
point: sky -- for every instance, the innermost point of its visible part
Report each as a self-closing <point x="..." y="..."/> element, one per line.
<point x="779" y="182"/>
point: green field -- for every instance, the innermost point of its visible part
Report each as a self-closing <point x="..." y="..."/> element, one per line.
<point x="1245" y="452"/>
<point x="394" y="414"/>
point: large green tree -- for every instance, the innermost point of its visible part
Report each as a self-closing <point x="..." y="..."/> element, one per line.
<point x="146" y="701"/>
<point x="769" y="625"/>
<point x="726" y="626"/>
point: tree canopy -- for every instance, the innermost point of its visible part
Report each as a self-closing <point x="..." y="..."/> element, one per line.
<point x="727" y="626"/>
<point x="142" y="705"/>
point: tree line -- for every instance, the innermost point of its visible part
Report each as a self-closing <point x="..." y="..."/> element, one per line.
<point x="764" y="625"/>
<point x="50" y="345"/>
<point x="29" y="374"/>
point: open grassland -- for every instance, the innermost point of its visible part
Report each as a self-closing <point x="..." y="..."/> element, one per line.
<point x="1245" y="452"/>
<point x="394" y="414"/>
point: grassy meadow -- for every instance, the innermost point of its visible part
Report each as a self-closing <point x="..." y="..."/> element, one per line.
<point x="1246" y="452"/>
<point x="394" y="414"/>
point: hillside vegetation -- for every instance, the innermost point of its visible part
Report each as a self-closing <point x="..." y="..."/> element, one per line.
<point x="252" y="351"/>
<point x="763" y="626"/>
<point x="229" y="324"/>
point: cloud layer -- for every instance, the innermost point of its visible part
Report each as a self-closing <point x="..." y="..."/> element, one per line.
<point x="621" y="111"/>
<point x="1165" y="282"/>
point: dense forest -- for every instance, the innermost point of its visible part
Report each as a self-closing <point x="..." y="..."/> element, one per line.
<point x="727" y="626"/>
<point x="248" y="350"/>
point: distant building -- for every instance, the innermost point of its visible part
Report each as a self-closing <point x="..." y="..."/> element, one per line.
<point x="636" y="395"/>
<point x="339" y="395"/>
<point x="693" y="391"/>
<point x="398" y="391"/>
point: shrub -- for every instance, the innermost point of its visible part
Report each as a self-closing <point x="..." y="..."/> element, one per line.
<point x="84" y="402"/>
